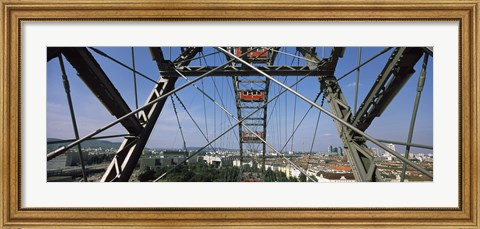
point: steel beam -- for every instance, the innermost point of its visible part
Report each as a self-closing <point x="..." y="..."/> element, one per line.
<point x="64" y="149"/>
<point x="274" y="55"/>
<point x="122" y="166"/>
<point x="236" y="85"/>
<point x="393" y="77"/>
<point x="239" y="71"/>
<point x="265" y="111"/>
<point x="357" y="153"/>
<point x="428" y="50"/>
<point x="327" y="65"/>
<point x="126" y="159"/>
<point x="66" y="85"/>
<point x="367" y="171"/>
<point x="52" y="52"/>
<point x="243" y="106"/>
<point x="95" y="78"/>
<point x="240" y="122"/>
<point x="420" y="84"/>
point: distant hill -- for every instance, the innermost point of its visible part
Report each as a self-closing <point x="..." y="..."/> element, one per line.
<point x="86" y="144"/>
<point x="107" y="145"/>
<point x="193" y="148"/>
<point x="210" y="149"/>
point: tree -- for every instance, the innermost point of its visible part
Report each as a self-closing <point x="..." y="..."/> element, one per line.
<point x="146" y="175"/>
<point x="302" y="177"/>
<point x="269" y="175"/>
<point x="281" y="176"/>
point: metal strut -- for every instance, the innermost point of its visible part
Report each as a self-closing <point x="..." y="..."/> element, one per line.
<point x="420" y="84"/>
<point x="178" y="122"/>
<point x="397" y="71"/>
<point x="360" y="159"/>
<point x="66" y="85"/>
<point x="238" y="122"/>
<point x="351" y="127"/>
<point x="124" y="162"/>
<point x="63" y="149"/>
<point x="367" y="172"/>
<point x="252" y="93"/>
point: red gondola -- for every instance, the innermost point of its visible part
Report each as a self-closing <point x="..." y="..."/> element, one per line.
<point x="252" y="96"/>
<point x="248" y="136"/>
<point x="257" y="55"/>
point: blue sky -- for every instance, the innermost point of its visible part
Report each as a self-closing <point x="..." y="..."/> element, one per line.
<point x="91" y="115"/>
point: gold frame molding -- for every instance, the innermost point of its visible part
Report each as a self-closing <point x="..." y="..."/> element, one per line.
<point x="14" y="12"/>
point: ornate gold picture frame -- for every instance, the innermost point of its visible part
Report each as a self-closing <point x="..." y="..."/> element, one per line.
<point x="14" y="13"/>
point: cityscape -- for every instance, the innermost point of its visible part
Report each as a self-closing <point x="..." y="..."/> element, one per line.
<point x="224" y="165"/>
<point x="239" y="114"/>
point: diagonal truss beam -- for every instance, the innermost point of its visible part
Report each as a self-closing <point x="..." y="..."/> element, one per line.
<point x="394" y="75"/>
<point x="239" y="122"/>
<point x="391" y="80"/>
<point x="273" y="70"/>
<point x="126" y="159"/>
<point x="357" y="152"/>
<point x="369" y="170"/>
<point x="64" y="149"/>
<point x="326" y="66"/>
<point x="124" y="162"/>
<point x="52" y="52"/>
<point x="95" y="78"/>
<point x="131" y="149"/>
